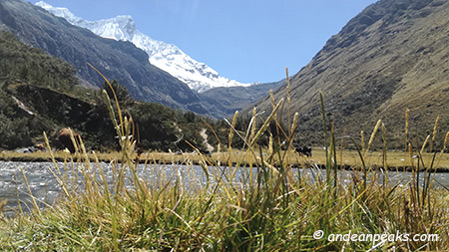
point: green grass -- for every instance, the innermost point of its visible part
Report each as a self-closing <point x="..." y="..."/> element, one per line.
<point x="274" y="209"/>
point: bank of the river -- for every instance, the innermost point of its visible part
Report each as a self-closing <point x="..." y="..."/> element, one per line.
<point x="346" y="159"/>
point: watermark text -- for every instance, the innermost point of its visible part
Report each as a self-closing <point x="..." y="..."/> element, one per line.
<point x="376" y="238"/>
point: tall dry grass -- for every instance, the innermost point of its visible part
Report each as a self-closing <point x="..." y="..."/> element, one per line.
<point x="270" y="206"/>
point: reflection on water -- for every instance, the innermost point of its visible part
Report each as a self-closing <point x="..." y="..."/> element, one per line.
<point x="45" y="188"/>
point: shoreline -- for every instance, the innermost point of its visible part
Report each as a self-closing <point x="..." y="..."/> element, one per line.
<point x="171" y="158"/>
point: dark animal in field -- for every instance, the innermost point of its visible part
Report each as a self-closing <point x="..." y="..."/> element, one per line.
<point x="66" y="141"/>
<point x="307" y="151"/>
<point x="207" y="153"/>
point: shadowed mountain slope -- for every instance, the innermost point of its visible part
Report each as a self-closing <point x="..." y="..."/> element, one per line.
<point x="40" y="93"/>
<point x="224" y="101"/>
<point x="115" y="59"/>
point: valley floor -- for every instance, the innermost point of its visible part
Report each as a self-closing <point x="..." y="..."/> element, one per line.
<point x="394" y="161"/>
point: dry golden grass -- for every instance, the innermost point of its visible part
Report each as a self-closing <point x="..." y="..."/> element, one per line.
<point x="396" y="160"/>
<point x="272" y="209"/>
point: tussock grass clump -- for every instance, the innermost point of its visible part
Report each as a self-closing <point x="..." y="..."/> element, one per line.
<point x="266" y="207"/>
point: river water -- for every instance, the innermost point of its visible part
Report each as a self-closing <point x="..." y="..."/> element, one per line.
<point x="45" y="188"/>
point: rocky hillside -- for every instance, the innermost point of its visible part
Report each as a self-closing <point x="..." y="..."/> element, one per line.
<point x="392" y="56"/>
<point x="115" y="59"/>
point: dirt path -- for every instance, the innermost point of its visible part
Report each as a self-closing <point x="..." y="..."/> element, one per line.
<point x="204" y="136"/>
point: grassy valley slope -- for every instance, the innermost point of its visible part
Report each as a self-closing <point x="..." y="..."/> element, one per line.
<point x="392" y="56"/>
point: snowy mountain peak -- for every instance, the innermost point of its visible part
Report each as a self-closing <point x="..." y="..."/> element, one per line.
<point x="124" y="24"/>
<point x="167" y="57"/>
<point x="59" y="12"/>
<point x="118" y="28"/>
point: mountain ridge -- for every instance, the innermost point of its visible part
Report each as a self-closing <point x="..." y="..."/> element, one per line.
<point x="115" y="59"/>
<point x="224" y="101"/>
<point x="167" y="57"/>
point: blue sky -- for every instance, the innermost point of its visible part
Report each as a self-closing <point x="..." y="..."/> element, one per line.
<point x="245" y="40"/>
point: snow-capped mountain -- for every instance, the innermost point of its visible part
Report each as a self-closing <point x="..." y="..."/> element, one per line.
<point x="167" y="57"/>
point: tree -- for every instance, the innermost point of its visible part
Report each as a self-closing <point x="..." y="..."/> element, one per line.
<point x="124" y="98"/>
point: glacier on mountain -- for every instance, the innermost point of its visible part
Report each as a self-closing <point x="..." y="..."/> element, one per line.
<point x="198" y="76"/>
